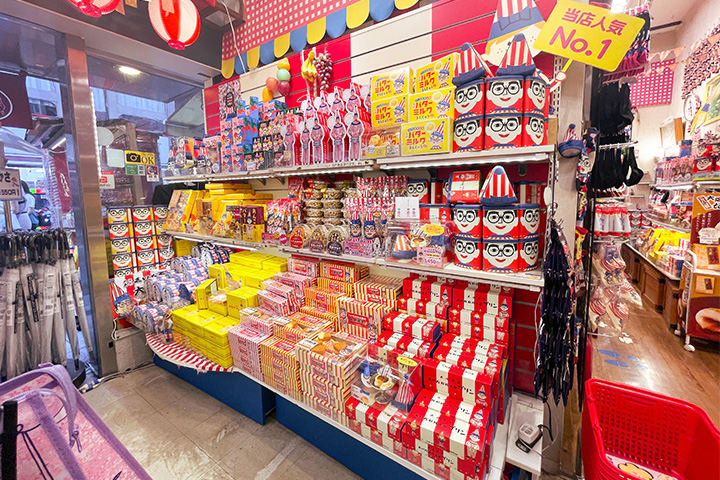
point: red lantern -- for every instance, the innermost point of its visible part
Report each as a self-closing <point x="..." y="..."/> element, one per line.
<point x="95" y="8"/>
<point x="175" y="21"/>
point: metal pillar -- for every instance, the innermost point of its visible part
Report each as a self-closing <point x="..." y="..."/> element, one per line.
<point x="83" y="164"/>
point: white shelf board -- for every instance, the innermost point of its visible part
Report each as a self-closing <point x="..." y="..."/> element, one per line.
<point x="675" y="186"/>
<point x="344" y="258"/>
<point x="510" y="155"/>
<point x="532" y="280"/>
<point x="230" y="242"/>
<point x="323" y="168"/>
<point x="525" y="409"/>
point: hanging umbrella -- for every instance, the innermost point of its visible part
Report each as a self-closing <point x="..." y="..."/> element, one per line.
<point x="30" y="296"/>
<point x="80" y="306"/>
<point x="45" y="296"/>
<point x="53" y="275"/>
<point x="66" y="297"/>
<point x="13" y="335"/>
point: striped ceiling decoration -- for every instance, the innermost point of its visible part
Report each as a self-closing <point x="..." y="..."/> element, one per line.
<point x="274" y="27"/>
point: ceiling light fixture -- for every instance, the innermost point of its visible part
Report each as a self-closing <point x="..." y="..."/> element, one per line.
<point x="133" y="72"/>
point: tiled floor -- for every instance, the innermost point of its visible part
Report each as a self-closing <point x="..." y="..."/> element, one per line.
<point x="178" y="432"/>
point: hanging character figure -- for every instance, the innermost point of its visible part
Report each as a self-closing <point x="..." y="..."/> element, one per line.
<point x="305" y="144"/>
<point x="288" y="141"/>
<point x="355" y="131"/>
<point x="353" y="100"/>
<point x="437" y="137"/>
<point x="317" y="135"/>
<point x="337" y="105"/>
<point x="338" y="134"/>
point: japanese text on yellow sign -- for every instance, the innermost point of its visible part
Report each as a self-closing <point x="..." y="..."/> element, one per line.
<point x="139" y="158"/>
<point x="588" y="34"/>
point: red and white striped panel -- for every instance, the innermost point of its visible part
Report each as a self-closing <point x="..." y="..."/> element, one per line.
<point x="181" y="356"/>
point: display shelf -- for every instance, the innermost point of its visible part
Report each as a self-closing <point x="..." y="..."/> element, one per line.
<point x="532" y="280"/>
<point x="511" y="155"/>
<point x="652" y="264"/>
<point x="324" y="168"/>
<point x="330" y="256"/>
<point x="228" y="242"/>
<point x="667" y="225"/>
<point x="525" y="409"/>
<point x="674" y="186"/>
<point x="221" y="177"/>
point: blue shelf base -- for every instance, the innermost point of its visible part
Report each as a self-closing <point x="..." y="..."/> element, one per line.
<point x="233" y="389"/>
<point x="355" y="455"/>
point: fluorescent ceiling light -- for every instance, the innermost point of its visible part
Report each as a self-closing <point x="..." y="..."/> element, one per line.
<point x="133" y="72"/>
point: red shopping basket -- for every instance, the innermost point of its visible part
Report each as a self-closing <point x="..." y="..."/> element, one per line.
<point x="660" y="435"/>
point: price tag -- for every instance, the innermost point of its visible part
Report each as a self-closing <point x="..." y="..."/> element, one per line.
<point x="588" y="34"/>
<point x="10" y="188"/>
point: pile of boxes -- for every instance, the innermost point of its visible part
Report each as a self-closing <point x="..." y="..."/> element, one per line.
<point x="137" y="239"/>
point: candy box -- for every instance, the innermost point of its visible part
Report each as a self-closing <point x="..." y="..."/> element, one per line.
<point x="408" y="343"/>
<point x="437" y="74"/>
<point x="435" y="214"/>
<point x="389" y="84"/>
<point x="142" y="214"/>
<point x="432" y="104"/>
<point x="468" y="221"/>
<point x="363" y="313"/>
<point x="307" y="266"/>
<point x="465" y="187"/>
<point x="477" y="347"/>
<point x="389" y="112"/>
<point x="118" y="215"/>
<point x="120" y="230"/>
<point x="468" y="253"/>
<point x="536" y="96"/>
<point x="470" y="100"/>
<point x="468" y="135"/>
<point x="483" y="298"/>
<point x="472" y="414"/>
<point x="500" y="256"/>
<point x="487" y="365"/>
<point x="144" y="228"/>
<point x="377" y="289"/>
<point x="343" y="271"/>
<point x="427" y="136"/>
<point x="534" y="129"/>
<point x="123" y="261"/>
<point x="457" y="382"/>
<point x="504" y="94"/>
<point x="432" y="310"/>
<point x="122" y="245"/>
<point x="420" y="328"/>
<point x="145" y="243"/>
<point x="333" y="366"/>
<point x="503" y="130"/>
<point x="500" y="223"/>
<point x="335" y="286"/>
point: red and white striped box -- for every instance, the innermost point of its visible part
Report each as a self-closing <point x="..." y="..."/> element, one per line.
<point x="283" y="290"/>
<point x="394" y="446"/>
<point x="487" y="365"/>
<point x="352" y="311"/>
<point x="335" y="286"/>
<point x="445" y="463"/>
<point x="477" y="347"/>
<point x="418" y="327"/>
<point x="245" y="348"/>
<point x="273" y="304"/>
<point x="343" y="271"/>
<point x="307" y="266"/>
<point x="460" y="383"/>
<point x="297" y="281"/>
<point x="382" y="290"/>
<point x="479" y="326"/>
<point x="475" y="415"/>
<point x="412" y="286"/>
<point x="329" y="367"/>
<point x="322" y="301"/>
<point x="483" y="298"/>
<point x="450" y="435"/>
<point x="325" y="409"/>
<point x="325" y="391"/>
<point x="432" y="310"/>
<point x="389" y="355"/>
<point x="389" y="421"/>
<point x="407" y="343"/>
<point x="436" y="291"/>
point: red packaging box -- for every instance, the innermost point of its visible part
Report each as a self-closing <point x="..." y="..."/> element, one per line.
<point x="307" y="266"/>
<point x="483" y="298"/>
<point x="120" y="230"/>
<point x="500" y="222"/>
<point x="475" y="415"/>
<point x="465" y="187"/>
<point x="407" y="343"/>
<point x="389" y="355"/>
<point x="435" y="214"/>
<point x="442" y="463"/>
<point x="534" y="129"/>
<point x="142" y="214"/>
<point x="343" y="271"/>
<point x="504" y="94"/>
<point x="483" y="364"/>
<point x="421" y="328"/>
<point x="488" y="327"/>
<point x="388" y="421"/>
<point x="143" y="229"/>
<point x="383" y="290"/>
<point x="436" y="291"/>
<point x="431" y="310"/>
<point x="335" y="286"/>
<point x="450" y="435"/>
<point x="467" y="344"/>
<point x="503" y="130"/>
<point x="460" y="383"/>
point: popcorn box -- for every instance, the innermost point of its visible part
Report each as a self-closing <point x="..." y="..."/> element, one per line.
<point x="382" y="290"/>
<point x="363" y="313"/>
<point x="437" y="74"/>
<point x="407" y="343"/>
<point x="118" y="215"/>
<point x="465" y="187"/>
<point x="460" y="383"/>
<point x="335" y="286"/>
<point x="420" y="328"/>
<point x="343" y="271"/>
<point x="433" y="428"/>
<point x="451" y="408"/>
<point x="120" y="230"/>
<point x="389" y="112"/>
<point x="432" y="104"/>
<point x="392" y="83"/>
<point x="427" y="136"/>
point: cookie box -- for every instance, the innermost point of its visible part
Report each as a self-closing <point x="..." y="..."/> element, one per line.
<point x="503" y="130"/>
<point x="468" y="134"/>
<point x="468" y="253"/>
<point x="504" y="94"/>
<point x="144" y="228"/>
<point x="419" y="189"/>
<point x="534" y="129"/>
<point x="427" y="136"/>
<point x="408" y="343"/>
<point x="468" y="221"/>
<point x="420" y="328"/>
<point x="510" y="255"/>
<point x="459" y="383"/>
<point x="437" y="74"/>
<point x="465" y="187"/>
<point x="432" y="104"/>
<point x="470" y="100"/>
<point x="483" y="298"/>
<point x="392" y="83"/>
<point x="145" y="243"/>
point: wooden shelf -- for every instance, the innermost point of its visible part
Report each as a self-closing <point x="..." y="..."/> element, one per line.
<point x="652" y="264"/>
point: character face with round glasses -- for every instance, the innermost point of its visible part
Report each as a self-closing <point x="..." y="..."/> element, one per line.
<point x="505" y="93"/>
<point x="467" y="220"/>
<point x="467" y="132"/>
<point x="504" y="129"/>
<point x="467" y="98"/>
<point x="500" y="223"/>
<point x="500" y="255"/>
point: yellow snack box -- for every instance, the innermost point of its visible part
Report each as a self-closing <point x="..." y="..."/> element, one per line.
<point x="383" y="144"/>
<point x="218" y="304"/>
<point x="389" y="112"/>
<point x="427" y="136"/>
<point x="437" y="74"/>
<point x="252" y="233"/>
<point x="241" y="298"/>
<point x="204" y="291"/>
<point x="275" y="265"/>
<point x="255" y="279"/>
<point x="390" y="84"/>
<point x="184" y="247"/>
<point x="433" y="104"/>
<point x="229" y="186"/>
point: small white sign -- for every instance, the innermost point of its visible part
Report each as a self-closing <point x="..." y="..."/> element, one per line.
<point x="407" y="208"/>
<point x="107" y="180"/>
<point x="10" y="188"/>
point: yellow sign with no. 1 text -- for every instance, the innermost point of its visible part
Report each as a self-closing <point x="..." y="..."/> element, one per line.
<point x="588" y="34"/>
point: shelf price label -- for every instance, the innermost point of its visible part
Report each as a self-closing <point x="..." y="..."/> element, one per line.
<point x="139" y="158"/>
<point x="10" y="188"/>
<point x="588" y="34"/>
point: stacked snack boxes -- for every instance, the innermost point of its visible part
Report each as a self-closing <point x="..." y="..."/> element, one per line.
<point x="137" y="241"/>
<point x="245" y="347"/>
<point x="206" y="332"/>
<point x="280" y="366"/>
